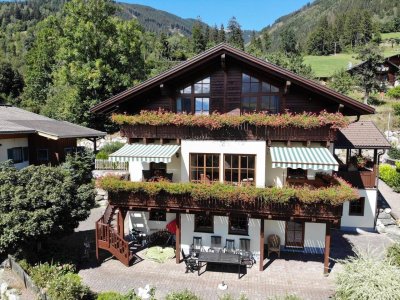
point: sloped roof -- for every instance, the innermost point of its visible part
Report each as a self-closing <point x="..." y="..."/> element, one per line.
<point x="356" y="107"/>
<point x="362" y="134"/>
<point x="16" y="120"/>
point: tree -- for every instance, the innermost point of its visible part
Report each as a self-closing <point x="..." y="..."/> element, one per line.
<point x="266" y="40"/>
<point x="320" y="41"/>
<point x="366" y="73"/>
<point x="165" y="48"/>
<point x="39" y="202"/>
<point x="288" y="41"/>
<point x="235" y="34"/>
<point x="222" y="35"/>
<point x="291" y="62"/>
<point x="11" y="82"/>
<point x="198" y="41"/>
<point x="341" y="81"/>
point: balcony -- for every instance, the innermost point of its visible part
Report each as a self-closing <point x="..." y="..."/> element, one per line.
<point x="362" y="179"/>
<point x="241" y="132"/>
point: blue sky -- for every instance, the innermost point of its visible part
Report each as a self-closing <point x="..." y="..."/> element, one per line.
<point x="251" y="14"/>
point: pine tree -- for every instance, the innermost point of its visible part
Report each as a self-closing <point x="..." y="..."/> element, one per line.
<point x="235" y="34"/>
<point x="206" y="35"/>
<point x="266" y="39"/>
<point x="222" y="35"/>
<point x="198" y="42"/>
<point x="214" y="36"/>
<point x="288" y="41"/>
<point x="165" y="50"/>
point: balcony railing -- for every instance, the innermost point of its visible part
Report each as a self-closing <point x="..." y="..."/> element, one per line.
<point x="242" y="132"/>
<point x="104" y="164"/>
<point x="257" y="208"/>
<point x="363" y="179"/>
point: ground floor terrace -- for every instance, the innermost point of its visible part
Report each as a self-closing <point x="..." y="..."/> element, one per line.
<point x="293" y="273"/>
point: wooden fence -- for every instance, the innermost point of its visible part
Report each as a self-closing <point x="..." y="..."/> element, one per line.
<point x="104" y="164"/>
<point x="26" y="279"/>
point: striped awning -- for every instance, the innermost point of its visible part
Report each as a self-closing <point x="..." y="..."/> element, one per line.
<point x="144" y="153"/>
<point x="303" y="158"/>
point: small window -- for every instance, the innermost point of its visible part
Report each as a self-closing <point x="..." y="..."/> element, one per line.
<point x="43" y="155"/>
<point x="238" y="224"/>
<point x="158" y="215"/>
<point x="296" y="173"/>
<point x="202" y="106"/>
<point x="204" y="167"/>
<point x="239" y="169"/>
<point x="356" y="208"/>
<point x="202" y="86"/>
<point x="204" y="223"/>
<point x="18" y="154"/>
<point x="250" y="84"/>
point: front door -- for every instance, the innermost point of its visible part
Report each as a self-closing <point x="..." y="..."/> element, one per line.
<point x="294" y="234"/>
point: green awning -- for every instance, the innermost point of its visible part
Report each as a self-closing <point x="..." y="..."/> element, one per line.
<point x="144" y="153"/>
<point x="303" y="158"/>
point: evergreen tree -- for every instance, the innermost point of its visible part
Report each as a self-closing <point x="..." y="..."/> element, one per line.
<point x="266" y="40"/>
<point x="207" y="38"/>
<point x="198" y="42"/>
<point x="214" y="35"/>
<point x="222" y="35"/>
<point x="235" y="34"/>
<point x="321" y="41"/>
<point x="288" y="41"/>
<point x="165" y="49"/>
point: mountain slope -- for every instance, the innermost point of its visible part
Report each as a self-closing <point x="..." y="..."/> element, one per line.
<point x="304" y="20"/>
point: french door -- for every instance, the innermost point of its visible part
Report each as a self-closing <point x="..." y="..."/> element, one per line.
<point x="294" y="234"/>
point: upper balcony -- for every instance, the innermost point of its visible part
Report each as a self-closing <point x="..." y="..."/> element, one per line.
<point x="258" y="126"/>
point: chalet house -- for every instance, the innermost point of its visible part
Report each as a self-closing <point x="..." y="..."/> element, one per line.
<point x="28" y="138"/>
<point x="387" y="73"/>
<point x="171" y="122"/>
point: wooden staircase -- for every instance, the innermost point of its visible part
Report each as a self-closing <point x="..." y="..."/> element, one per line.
<point x="110" y="237"/>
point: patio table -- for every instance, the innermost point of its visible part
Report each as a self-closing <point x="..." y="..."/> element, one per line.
<point x="218" y="258"/>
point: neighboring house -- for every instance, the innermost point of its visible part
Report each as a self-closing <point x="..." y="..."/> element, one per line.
<point x="28" y="138"/>
<point x="387" y="73"/>
<point x="229" y="81"/>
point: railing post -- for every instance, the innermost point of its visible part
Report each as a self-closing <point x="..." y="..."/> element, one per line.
<point x="97" y="240"/>
<point x="262" y="238"/>
<point x="327" y="247"/>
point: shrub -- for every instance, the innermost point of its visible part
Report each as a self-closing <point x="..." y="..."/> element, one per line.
<point x="68" y="287"/>
<point x="396" y="109"/>
<point x="394" y="92"/>
<point x="108" y="149"/>
<point x="393" y="254"/>
<point x="394" y="153"/>
<point x="182" y="295"/>
<point x="368" y="279"/>
<point x="115" y="296"/>
<point x="391" y="176"/>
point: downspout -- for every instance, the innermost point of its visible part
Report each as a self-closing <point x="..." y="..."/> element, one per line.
<point x="378" y="159"/>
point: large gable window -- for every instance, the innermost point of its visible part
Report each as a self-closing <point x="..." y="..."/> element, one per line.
<point x="195" y="98"/>
<point x="259" y="95"/>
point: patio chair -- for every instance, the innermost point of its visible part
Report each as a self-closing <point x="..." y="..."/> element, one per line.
<point x="216" y="243"/>
<point x="197" y="245"/>
<point x="244" y="250"/>
<point x="190" y="262"/>
<point x="274" y="244"/>
<point x="229" y="246"/>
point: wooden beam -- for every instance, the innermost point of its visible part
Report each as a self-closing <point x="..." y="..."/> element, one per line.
<point x="262" y="241"/>
<point x="223" y="61"/>
<point x="178" y="238"/>
<point x="121" y="219"/>
<point x="327" y="247"/>
<point x="287" y="87"/>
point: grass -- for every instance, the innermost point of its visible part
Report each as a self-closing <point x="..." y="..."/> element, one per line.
<point x="391" y="35"/>
<point x="326" y="66"/>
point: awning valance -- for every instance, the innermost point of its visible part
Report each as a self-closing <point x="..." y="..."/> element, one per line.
<point x="303" y="158"/>
<point x="144" y="153"/>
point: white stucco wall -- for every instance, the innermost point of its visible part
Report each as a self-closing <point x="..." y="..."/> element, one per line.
<point x="365" y="222"/>
<point x="11" y="143"/>
<point x="140" y="221"/>
<point x="225" y="147"/>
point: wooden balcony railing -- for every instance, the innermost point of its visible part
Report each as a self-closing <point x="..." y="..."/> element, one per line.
<point x="360" y="179"/>
<point x="242" y="132"/>
<point x="257" y="208"/>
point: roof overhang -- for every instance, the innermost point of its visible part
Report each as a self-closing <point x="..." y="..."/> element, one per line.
<point x="356" y="107"/>
<point x="144" y="153"/>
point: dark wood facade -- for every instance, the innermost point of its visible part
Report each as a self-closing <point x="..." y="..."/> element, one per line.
<point x="56" y="149"/>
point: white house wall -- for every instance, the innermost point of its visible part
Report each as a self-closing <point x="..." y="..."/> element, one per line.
<point x="257" y="148"/>
<point x="12" y="143"/>
<point x="140" y="221"/>
<point x="365" y="222"/>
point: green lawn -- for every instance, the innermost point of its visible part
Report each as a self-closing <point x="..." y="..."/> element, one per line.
<point x="391" y="35"/>
<point x="326" y="66"/>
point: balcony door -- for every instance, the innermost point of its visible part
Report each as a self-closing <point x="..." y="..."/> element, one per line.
<point x="294" y="234"/>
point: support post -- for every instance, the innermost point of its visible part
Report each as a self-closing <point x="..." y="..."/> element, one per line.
<point x="178" y="238"/>
<point x="121" y="222"/>
<point x="327" y="247"/>
<point x="262" y="238"/>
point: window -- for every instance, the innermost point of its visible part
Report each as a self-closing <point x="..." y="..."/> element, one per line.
<point x="259" y="96"/>
<point x="42" y="155"/>
<point x="238" y="224"/>
<point x="356" y="208"/>
<point x="18" y="154"/>
<point x="204" y="167"/>
<point x="158" y="215"/>
<point x="202" y="106"/>
<point x="296" y="173"/>
<point x="204" y="223"/>
<point x="239" y="168"/>
<point x="294" y="234"/>
<point x="195" y="98"/>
